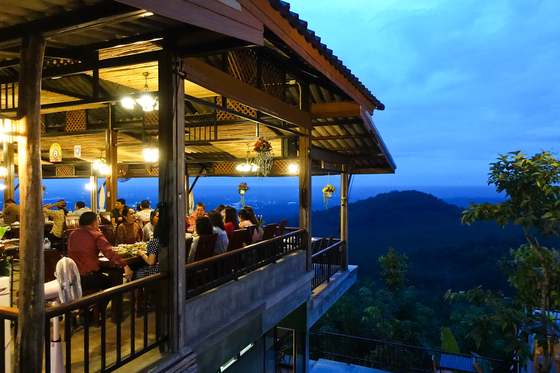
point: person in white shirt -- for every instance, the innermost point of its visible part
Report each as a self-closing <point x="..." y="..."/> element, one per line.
<point x="80" y="208"/>
<point x="148" y="230"/>
<point x="144" y="214"/>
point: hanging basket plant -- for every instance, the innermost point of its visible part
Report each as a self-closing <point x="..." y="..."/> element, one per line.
<point x="328" y="191"/>
<point x="242" y="189"/>
<point x="264" y="160"/>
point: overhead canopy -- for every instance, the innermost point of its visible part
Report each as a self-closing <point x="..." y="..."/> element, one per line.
<point x="252" y="68"/>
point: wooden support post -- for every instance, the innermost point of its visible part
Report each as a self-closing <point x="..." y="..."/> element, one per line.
<point x="305" y="189"/>
<point x="112" y="159"/>
<point x="31" y="319"/>
<point x="344" y="218"/>
<point x="172" y="194"/>
<point x="9" y="164"/>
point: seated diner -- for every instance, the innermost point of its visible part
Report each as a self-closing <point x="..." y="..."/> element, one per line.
<point x="151" y="256"/>
<point x="203" y="227"/>
<point x="84" y="245"/>
<point x="148" y="229"/>
<point x="245" y="221"/>
<point x="129" y="231"/>
<point x="222" y="242"/>
<point x="230" y="220"/>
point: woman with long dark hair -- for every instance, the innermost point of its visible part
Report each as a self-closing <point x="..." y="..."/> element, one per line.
<point x="230" y="219"/>
<point x="222" y="242"/>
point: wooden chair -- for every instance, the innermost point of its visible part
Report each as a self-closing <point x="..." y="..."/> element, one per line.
<point x="188" y="245"/>
<point x="65" y="235"/>
<point x="238" y="238"/>
<point x="315" y="246"/>
<point x="281" y="227"/>
<point x="269" y="232"/>
<point x="72" y="221"/>
<point x="330" y="243"/>
<point x="205" y="246"/>
<point x="105" y="218"/>
<point x="109" y="233"/>
<point x="51" y="257"/>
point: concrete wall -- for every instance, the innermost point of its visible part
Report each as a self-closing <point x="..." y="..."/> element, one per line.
<point x="223" y="321"/>
<point x="326" y="294"/>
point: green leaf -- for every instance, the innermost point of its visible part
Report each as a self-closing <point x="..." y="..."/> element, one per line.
<point x="448" y="341"/>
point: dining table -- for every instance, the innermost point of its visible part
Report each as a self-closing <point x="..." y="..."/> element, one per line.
<point x="116" y="277"/>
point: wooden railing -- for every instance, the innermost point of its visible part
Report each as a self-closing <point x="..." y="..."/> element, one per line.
<point x="217" y="270"/>
<point x="326" y="263"/>
<point x="101" y="353"/>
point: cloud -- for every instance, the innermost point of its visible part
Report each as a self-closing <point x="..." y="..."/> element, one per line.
<point x="462" y="81"/>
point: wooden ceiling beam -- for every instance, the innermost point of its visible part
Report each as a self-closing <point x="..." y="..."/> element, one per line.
<point x="71" y="21"/>
<point x="226" y="85"/>
<point x="335" y="110"/>
<point x="326" y="155"/>
<point x="89" y="66"/>
<point x="211" y="15"/>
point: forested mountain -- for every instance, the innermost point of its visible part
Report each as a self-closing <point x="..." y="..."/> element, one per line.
<point x="444" y="253"/>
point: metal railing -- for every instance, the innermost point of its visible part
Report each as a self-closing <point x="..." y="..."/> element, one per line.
<point x="326" y="263"/>
<point x="217" y="270"/>
<point x="390" y="356"/>
<point x="108" y="346"/>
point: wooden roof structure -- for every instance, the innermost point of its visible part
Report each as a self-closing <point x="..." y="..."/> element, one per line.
<point x="252" y="68"/>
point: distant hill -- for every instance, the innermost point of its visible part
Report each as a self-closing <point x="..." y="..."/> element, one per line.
<point x="445" y="253"/>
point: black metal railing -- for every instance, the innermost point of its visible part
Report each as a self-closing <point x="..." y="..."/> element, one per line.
<point x="390" y="356"/>
<point x="217" y="270"/>
<point x="326" y="263"/>
<point x="133" y="329"/>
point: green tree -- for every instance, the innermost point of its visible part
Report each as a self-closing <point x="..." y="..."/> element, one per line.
<point x="531" y="183"/>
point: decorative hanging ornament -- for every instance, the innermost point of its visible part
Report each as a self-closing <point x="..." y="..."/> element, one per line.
<point x="242" y="188"/>
<point x="264" y="160"/>
<point x="328" y="191"/>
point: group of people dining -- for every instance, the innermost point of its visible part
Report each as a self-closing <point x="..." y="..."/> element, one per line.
<point x="85" y="243"/>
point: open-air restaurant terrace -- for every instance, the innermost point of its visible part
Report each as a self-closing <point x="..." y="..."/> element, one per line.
<point x="174" y="90"/>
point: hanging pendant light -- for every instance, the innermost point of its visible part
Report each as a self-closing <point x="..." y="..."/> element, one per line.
<point x="147" y="100"/>
<point x="151" y="154"/>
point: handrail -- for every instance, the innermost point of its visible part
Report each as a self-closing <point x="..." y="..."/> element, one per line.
<point x="9" y="313"/>
<point x="326" y="263"/>
<point x="209" y="273"/>
<point x="217" y="258"/>
<point x="380" y="354"/>
<point x="102" y="295"/>
<point x="324" y="251"/>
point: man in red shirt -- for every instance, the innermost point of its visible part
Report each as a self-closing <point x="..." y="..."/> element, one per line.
<point x="84" y="245"/>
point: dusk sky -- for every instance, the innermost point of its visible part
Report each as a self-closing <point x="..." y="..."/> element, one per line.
<point x="461" y="80"/>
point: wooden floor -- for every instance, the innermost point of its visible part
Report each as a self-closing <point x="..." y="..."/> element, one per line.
<point x="93" y="353"/>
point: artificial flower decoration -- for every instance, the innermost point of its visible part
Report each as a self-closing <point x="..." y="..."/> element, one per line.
<point x="264" y="159"/>
<point x="262" y="145"/>
<point x="328" y="190"/>
<point x="242" y="188"/>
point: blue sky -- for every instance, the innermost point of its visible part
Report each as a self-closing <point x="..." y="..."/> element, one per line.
<point x="462" y="81"/>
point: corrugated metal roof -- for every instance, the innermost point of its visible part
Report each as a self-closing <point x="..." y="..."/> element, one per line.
<point x="301" y="26"/>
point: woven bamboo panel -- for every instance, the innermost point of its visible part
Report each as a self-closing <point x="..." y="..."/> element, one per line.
<point x="76" y="120"/>
<point x="233" y="105"/>
<point x="281" y="166"/>
<point x="64" y="171"/>
<point x="43" y="124"/>
<point x="122" y="170"/>
<point x="151" y="118"/>
<point x="273" y="78"/>
<point x="243" y="65"/>
<point x="224" y="168"/>
<point x="152" y="170"/>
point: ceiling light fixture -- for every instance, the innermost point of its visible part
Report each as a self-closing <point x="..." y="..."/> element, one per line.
<point x="147" y="101"/>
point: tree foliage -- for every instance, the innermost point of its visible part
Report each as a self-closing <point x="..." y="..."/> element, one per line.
<point x="531" y="183"/>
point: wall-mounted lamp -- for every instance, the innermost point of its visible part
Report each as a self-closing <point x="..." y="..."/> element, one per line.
<point x="293" y="168"/>
<point x="7" y="130"/>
